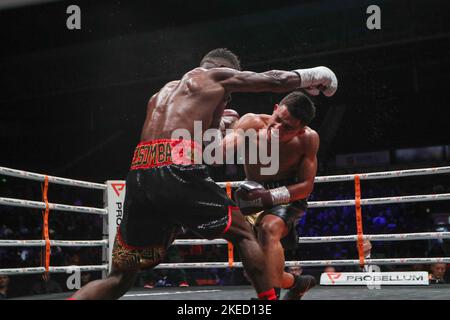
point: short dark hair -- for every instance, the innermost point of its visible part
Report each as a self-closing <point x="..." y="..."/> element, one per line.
<point x="223" y="53"/>
<point x="300" y="106"/>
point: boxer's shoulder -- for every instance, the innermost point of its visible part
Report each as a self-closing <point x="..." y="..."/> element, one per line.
<point x="311" y="138"/>
<point x="310" y="133"/>
<point x="252" y="121"/>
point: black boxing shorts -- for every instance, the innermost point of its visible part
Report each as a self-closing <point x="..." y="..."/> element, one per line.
<point x="166" y="190"/>
<point x="289" y="213"/>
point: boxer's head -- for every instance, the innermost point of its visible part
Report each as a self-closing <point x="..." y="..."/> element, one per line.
<point x="219" y="58"/>
<point x="291" y="115"/>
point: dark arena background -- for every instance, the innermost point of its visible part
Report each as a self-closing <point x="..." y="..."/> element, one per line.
<point x="73" y="102"/>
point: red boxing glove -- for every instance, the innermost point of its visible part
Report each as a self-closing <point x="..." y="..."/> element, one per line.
<point x="251" y="197"/>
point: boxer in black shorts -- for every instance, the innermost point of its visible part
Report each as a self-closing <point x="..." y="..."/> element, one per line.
<point x="290" y="213"/>
<point x="173" y="194"/>
<point x="158" y="184"/>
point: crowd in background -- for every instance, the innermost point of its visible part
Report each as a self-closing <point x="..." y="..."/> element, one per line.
<point x="22" y="224"/>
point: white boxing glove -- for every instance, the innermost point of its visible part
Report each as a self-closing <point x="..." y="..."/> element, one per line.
<point x="318" y="79"/>
<point x="228" y="120"/>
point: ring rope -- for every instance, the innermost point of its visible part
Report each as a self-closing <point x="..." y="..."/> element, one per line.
<point x="310" y="263"/>
<point x="54" y="243"/>
<point x="184" y="242"/>
<point x="382" y="200"/>
<point x="346" y="238"/>
<point x="320" y="179"/>
<point x="53" y="206"/>
<point x="312" y="204"/>
<point x="57" y="180"/>
<point x="334" y="178"/>
<point x="209" y="265"/>
<point x="370" y="175"/>
<point x="39" y="270"/>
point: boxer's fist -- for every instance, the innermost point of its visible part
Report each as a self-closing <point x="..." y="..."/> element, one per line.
<point x="251" y="197"/>
<point x="319" y="79"/>
<point x="229" y="118"/>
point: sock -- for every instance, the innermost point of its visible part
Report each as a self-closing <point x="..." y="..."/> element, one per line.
<point x="268" y="295"/>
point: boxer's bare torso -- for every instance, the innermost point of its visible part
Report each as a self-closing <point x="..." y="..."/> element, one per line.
<point x="196" y="97"/>
<point x="292" y="154"/>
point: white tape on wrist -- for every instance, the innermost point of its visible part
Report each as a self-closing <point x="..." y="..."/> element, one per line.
<point x="306" y="77"/>
<point x="280" y="195"/>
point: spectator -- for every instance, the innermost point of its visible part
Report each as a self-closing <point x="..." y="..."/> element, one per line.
<point x="4" y="283"/>
<point x="46" y="286"/>
<point x="367" y="248"/>
<point x="437" y="274"/>
<point x="296" y="270"/>
<point x="85" y="278"/>
<point x="329" y="269"/>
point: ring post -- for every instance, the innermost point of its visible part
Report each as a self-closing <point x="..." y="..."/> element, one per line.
<point x="114" y="198"/>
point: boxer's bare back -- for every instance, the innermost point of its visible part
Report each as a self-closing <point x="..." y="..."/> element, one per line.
<point x="196" y="97"/>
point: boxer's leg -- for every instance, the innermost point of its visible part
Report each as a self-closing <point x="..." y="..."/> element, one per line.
<point x="113" y="287"/>
<point x="241" y="235"/>
<point x="127" y="261"/>
<point x="301" y="285"/>
<point x="204" y="207"/>
<point x="271" y="229"/>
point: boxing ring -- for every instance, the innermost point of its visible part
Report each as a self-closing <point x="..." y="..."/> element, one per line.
<point x="114" y="192"/>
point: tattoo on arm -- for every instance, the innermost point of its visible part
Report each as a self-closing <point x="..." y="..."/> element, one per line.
<point x="276" y="74"/>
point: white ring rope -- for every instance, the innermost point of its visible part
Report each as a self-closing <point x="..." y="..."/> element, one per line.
<point x="383" y="200"/>
<point x="379" y="237"/>
<point x="313" y="204"/>
<point x="332" y="178"/>
<point x="184" y="242"/>
<point x="52" y="206"/>
<point x="308" y="263"/>
<point x="66" y="269"/>
<point x="373" y="237"/>
<point x="57" y="243"/>
<point x="368" y="176"/>
<point x="211" y="265"/>
<point x="51" y="179"/>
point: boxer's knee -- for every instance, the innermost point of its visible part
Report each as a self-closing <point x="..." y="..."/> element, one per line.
<point x="271" y="228"/>
<point x="240" y="230"/>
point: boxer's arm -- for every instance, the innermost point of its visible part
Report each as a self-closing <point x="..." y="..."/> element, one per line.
<point x="307" y="171"/>
<point x="279" y="81"/>
<point x="247" y="81"/>
<point x="235" y="139"/>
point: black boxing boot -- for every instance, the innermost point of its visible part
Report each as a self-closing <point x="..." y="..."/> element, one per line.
<point x="301" y="285"/>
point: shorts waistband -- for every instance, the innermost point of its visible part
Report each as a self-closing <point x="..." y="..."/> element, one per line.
<point x="164" y="152"/>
